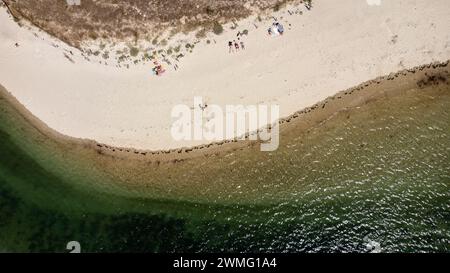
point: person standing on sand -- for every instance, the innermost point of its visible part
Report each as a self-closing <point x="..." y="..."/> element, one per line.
<point x="236" y="45"/>
<point x="242" y="45"/>
<point x="230" y="46"/>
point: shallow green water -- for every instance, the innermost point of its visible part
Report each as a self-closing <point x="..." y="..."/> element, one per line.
<point x="379" y="173"/>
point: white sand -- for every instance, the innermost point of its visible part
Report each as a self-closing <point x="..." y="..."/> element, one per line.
<point x="336" y="45"/>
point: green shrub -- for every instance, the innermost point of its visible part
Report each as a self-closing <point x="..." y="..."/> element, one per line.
<point x="217" y="28"/>
<point x="134" y="51"/>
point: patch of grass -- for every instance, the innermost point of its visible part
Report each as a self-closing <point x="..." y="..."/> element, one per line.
<point x="201" y="34"/>
<point x="122" y="58"/>
<point x="134" y="51"/>
<point x="277" y="7"/>
<point x="209" y="10"/>
<point x="142" y="22"/>
<point x="217" y="28"/>
<point x="93" y="35"/>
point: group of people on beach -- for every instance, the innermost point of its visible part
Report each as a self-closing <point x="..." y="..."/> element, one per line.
<point x="236" y="45"/>
<point x="158" y="69"/>
<point x="233" y="46"/>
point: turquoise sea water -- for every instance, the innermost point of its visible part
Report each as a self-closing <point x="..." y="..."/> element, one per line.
<point x="378" y="173"/>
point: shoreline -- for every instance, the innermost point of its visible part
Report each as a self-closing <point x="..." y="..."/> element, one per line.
<point x="437" y="72"/>
<point x="384" y="157"/>
<point x="239" y="173"/>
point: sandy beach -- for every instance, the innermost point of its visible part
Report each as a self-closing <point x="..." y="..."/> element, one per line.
<point x="332" y="47"/>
